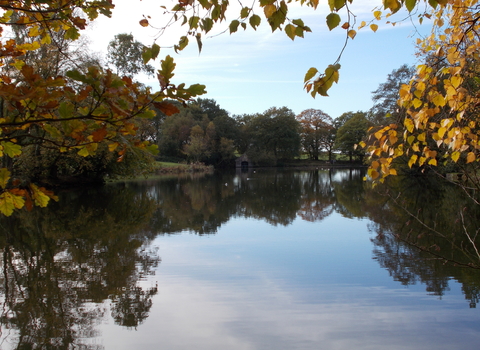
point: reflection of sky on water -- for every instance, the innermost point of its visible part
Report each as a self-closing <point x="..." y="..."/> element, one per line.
<point x="304" y="286"/>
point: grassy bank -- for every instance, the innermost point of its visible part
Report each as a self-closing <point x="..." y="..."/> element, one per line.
<point x="176" y="168"/>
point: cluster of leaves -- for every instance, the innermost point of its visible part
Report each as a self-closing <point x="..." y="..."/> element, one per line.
<point x="440" y="102"/>
<point x="76" y="111"/>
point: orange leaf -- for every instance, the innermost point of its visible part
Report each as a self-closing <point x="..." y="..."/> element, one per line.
<point x="166" y="107"/>
<point x="470" y="157"/>
<point x="99" y="134"/>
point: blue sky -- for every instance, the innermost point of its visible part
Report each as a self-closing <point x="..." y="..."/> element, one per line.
<point x="251" y="71"/>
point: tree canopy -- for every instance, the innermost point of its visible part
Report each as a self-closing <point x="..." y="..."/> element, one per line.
<point x="124" y="53"/>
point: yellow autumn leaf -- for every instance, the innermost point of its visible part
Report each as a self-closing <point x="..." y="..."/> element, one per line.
<point x="438" y="100"/>
<point x="29" y="46"/>
<point x="34" y="31"/>
<point x="83" y="152"/>
<point x="373" y="174"/>
<point x="408" y="124"/>
<point x="373" y="27"/>
<point x="432" y="162"/>
<point x="471" y="157"/>
<point x="269" y="10"/>
<point x="421" y="137"/>
<point x="456" y="81"/>
<point x="39" y="197"/>
<point x="441" y="132"/>
<point x="112" y="146"/>
<point x="412" y="160"/>
<point x="4" y="177"/>
<point x="455" y="155"/>
<point x="6" y="204"/>
<point x="18" y="201"/>
<point x="18" y="64"/>
<point x="416" y="102"/>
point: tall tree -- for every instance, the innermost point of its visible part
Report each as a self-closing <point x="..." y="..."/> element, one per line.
<point x="385" y="108"/>
<point x="124" y="53"/>
<point x="275" y="135"/>
<point x="316" y="131"/>
<point x="351" y="133"/>
<point x="210" y="107"/>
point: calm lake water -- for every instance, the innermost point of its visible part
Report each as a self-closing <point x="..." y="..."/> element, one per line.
<point x="269" y="259"/>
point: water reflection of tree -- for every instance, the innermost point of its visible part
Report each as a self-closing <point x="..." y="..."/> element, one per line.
<point x="350" y="192"/>
<point x="423" y="237"/>
<point x="318" y="195"/>
<point x="60" y="264"/>
<point x="271" y="196"/>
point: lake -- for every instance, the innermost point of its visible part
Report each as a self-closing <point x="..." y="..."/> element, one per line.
<point x="265" y="259"/>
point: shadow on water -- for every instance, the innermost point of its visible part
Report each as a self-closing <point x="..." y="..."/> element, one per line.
<point x="67" y="267"/>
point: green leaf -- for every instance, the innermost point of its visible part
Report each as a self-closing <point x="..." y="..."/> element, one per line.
<point x="167" y="67"/>
<point x="65" y="110"/>
<point x="333" y="20"/>
<point x="290" y="31"/>
<point x="53" y="131"/>
<point x="410" y="4"/>
<point x="71" y="34"/>
<point x="310" y="74"/>
<point x="216" y="13"/>
<point x="4" y="177"/>
<point x="150" y="53"/>
<point x="199" y="41"/>
<point x="193" y="22"/>
<point x="255" y="21"/>
<point x="244" y="12"/>
<point x="77" y="76"/>
<point x="11" y="149"/>
<point x="196" y="89"/>
<point x="148" y="114"/>
<point x="155" y="51"/>
<point x="234" y="26"/>
<point x="153" y="149"/>
<point x="205" y="4"/>
<point x="336" y="5"/>
<point x="298" y="22"/>
<point x="146" y="55"/>
<point x="207" y="24"/>
<point x="182" y="43"/>
<point x="299" y="32"/>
